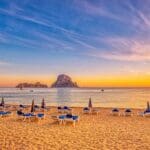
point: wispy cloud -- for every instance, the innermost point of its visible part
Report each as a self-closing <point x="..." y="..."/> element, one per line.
<point x="47" y="41"/>
<point x="130" y="47"/>
<point x="95" y="9"/>
<point x="124" y="12"/>
<point x="123" y="49"/>
<point x="3" y="63"/>
<point x="119" y="47"/>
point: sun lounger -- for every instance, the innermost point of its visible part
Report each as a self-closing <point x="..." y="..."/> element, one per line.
<point x="62" y="119"/>
<point x="67" y="109"/>
<point x="36" y="107"/>
<point x="60" y="109"/>
<point x="5" y="113"/>
<point x="86" y="110"/>
<point x="128" y="112"/>
<point x="59" y="119"/>
<point x="22" y="106"/>
<point x="115" y="112"/>
<point x="29" y="116"/>
<point x="40" y="116"/>
<point x="20" y="114"/>
<point x="64" y="109"/>
<point x="71" y="118"/>
<point x="146" y="113"/>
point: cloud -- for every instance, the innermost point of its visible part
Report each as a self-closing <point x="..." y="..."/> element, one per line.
<point x="124" y="12"/>
<point x="95" y="9"/>
<point x="135" y="18"/>
<point x="124" y="50"/>
<point x="117" y="47"/>
<point x="47" y="41"/>
<point x="3" y="63"/>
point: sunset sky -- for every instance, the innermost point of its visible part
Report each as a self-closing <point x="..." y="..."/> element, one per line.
<point x="96" y="42"/>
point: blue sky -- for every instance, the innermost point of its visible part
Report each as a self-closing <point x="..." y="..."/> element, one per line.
<point x="89" y="37"/>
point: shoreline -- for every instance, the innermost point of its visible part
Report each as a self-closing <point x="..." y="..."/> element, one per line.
<point x="53" y="106"/>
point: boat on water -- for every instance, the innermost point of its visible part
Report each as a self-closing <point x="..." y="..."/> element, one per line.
<point x="102" y="90"/>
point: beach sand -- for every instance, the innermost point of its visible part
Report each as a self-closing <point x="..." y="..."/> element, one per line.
<point x="92" y="132"/>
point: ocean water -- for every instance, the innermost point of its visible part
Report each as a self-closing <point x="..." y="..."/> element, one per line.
<point x="111" y="97"/>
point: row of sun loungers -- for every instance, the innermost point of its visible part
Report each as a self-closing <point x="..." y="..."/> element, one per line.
<point x="116" y="112"/>
<point x="88" y="110"/>
<point x="67" y="114"/>
<point x="63" y="119"/>
<point x="64" y="109"/>
<point x="128" y="112"/>
<point x="29" y="116"/>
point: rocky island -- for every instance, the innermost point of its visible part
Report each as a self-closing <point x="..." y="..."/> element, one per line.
<point x="31" y="85"/>
<point x="64" y="81"/>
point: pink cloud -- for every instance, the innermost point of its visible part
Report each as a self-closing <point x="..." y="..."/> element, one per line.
<point x="124" y="50"/>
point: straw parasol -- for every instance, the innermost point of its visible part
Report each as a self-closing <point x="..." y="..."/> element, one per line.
<point x="32" y="107"/>
<point x="43" y="103"/>
<point x="2" y="102"/>
<point x="148" y="106"/>
<point x="90" y="103"/>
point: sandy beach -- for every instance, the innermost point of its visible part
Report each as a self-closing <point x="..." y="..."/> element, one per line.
<point x="102" y="131"/>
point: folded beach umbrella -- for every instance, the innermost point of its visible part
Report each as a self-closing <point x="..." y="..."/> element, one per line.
<point x="43" y="105"/>
<point x="32" y="107"/>
<point x="2" y="102"/>
<point x="90" y="103"/>
<point x="148" y="106"/>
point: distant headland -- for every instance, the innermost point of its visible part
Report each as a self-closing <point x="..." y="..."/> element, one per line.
<point x="63" y="81"/>
<point x="31" y="85"/>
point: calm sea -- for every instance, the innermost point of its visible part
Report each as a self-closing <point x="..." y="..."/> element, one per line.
<point x="114" y="97"/>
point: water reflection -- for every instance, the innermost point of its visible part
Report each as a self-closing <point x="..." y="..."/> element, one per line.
<point x="63" y="96"/>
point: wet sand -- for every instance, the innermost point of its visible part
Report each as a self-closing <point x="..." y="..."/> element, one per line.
<point x="92" y="132"/>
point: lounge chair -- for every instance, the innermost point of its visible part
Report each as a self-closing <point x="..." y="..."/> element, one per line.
<point x="36" y="107"/>
<point x="128" y="112"/>
<point x="71" y="118"/>
<point x="146" y="113"/>
<point x="5" y="113"/>
<point x="60" y="109"/>
<point x="22" y="106"/>
<point x="40" y="116"/>
<point x="86" y="110"/>
<point x="59" y="119"/>
<point x="20" y="114"/>
<point x="115" y="112"/>
<point x="66" y="109"/>
<point x="29" y="116"/>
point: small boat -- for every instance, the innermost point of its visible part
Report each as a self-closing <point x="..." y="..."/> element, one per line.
<point x="102" y="90"/>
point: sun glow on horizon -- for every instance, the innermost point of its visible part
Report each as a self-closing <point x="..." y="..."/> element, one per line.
<point x="82" y="81"/>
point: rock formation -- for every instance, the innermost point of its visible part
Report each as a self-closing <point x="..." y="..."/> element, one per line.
<point x="64" y="81"/>
<point x="30" y="85"/>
